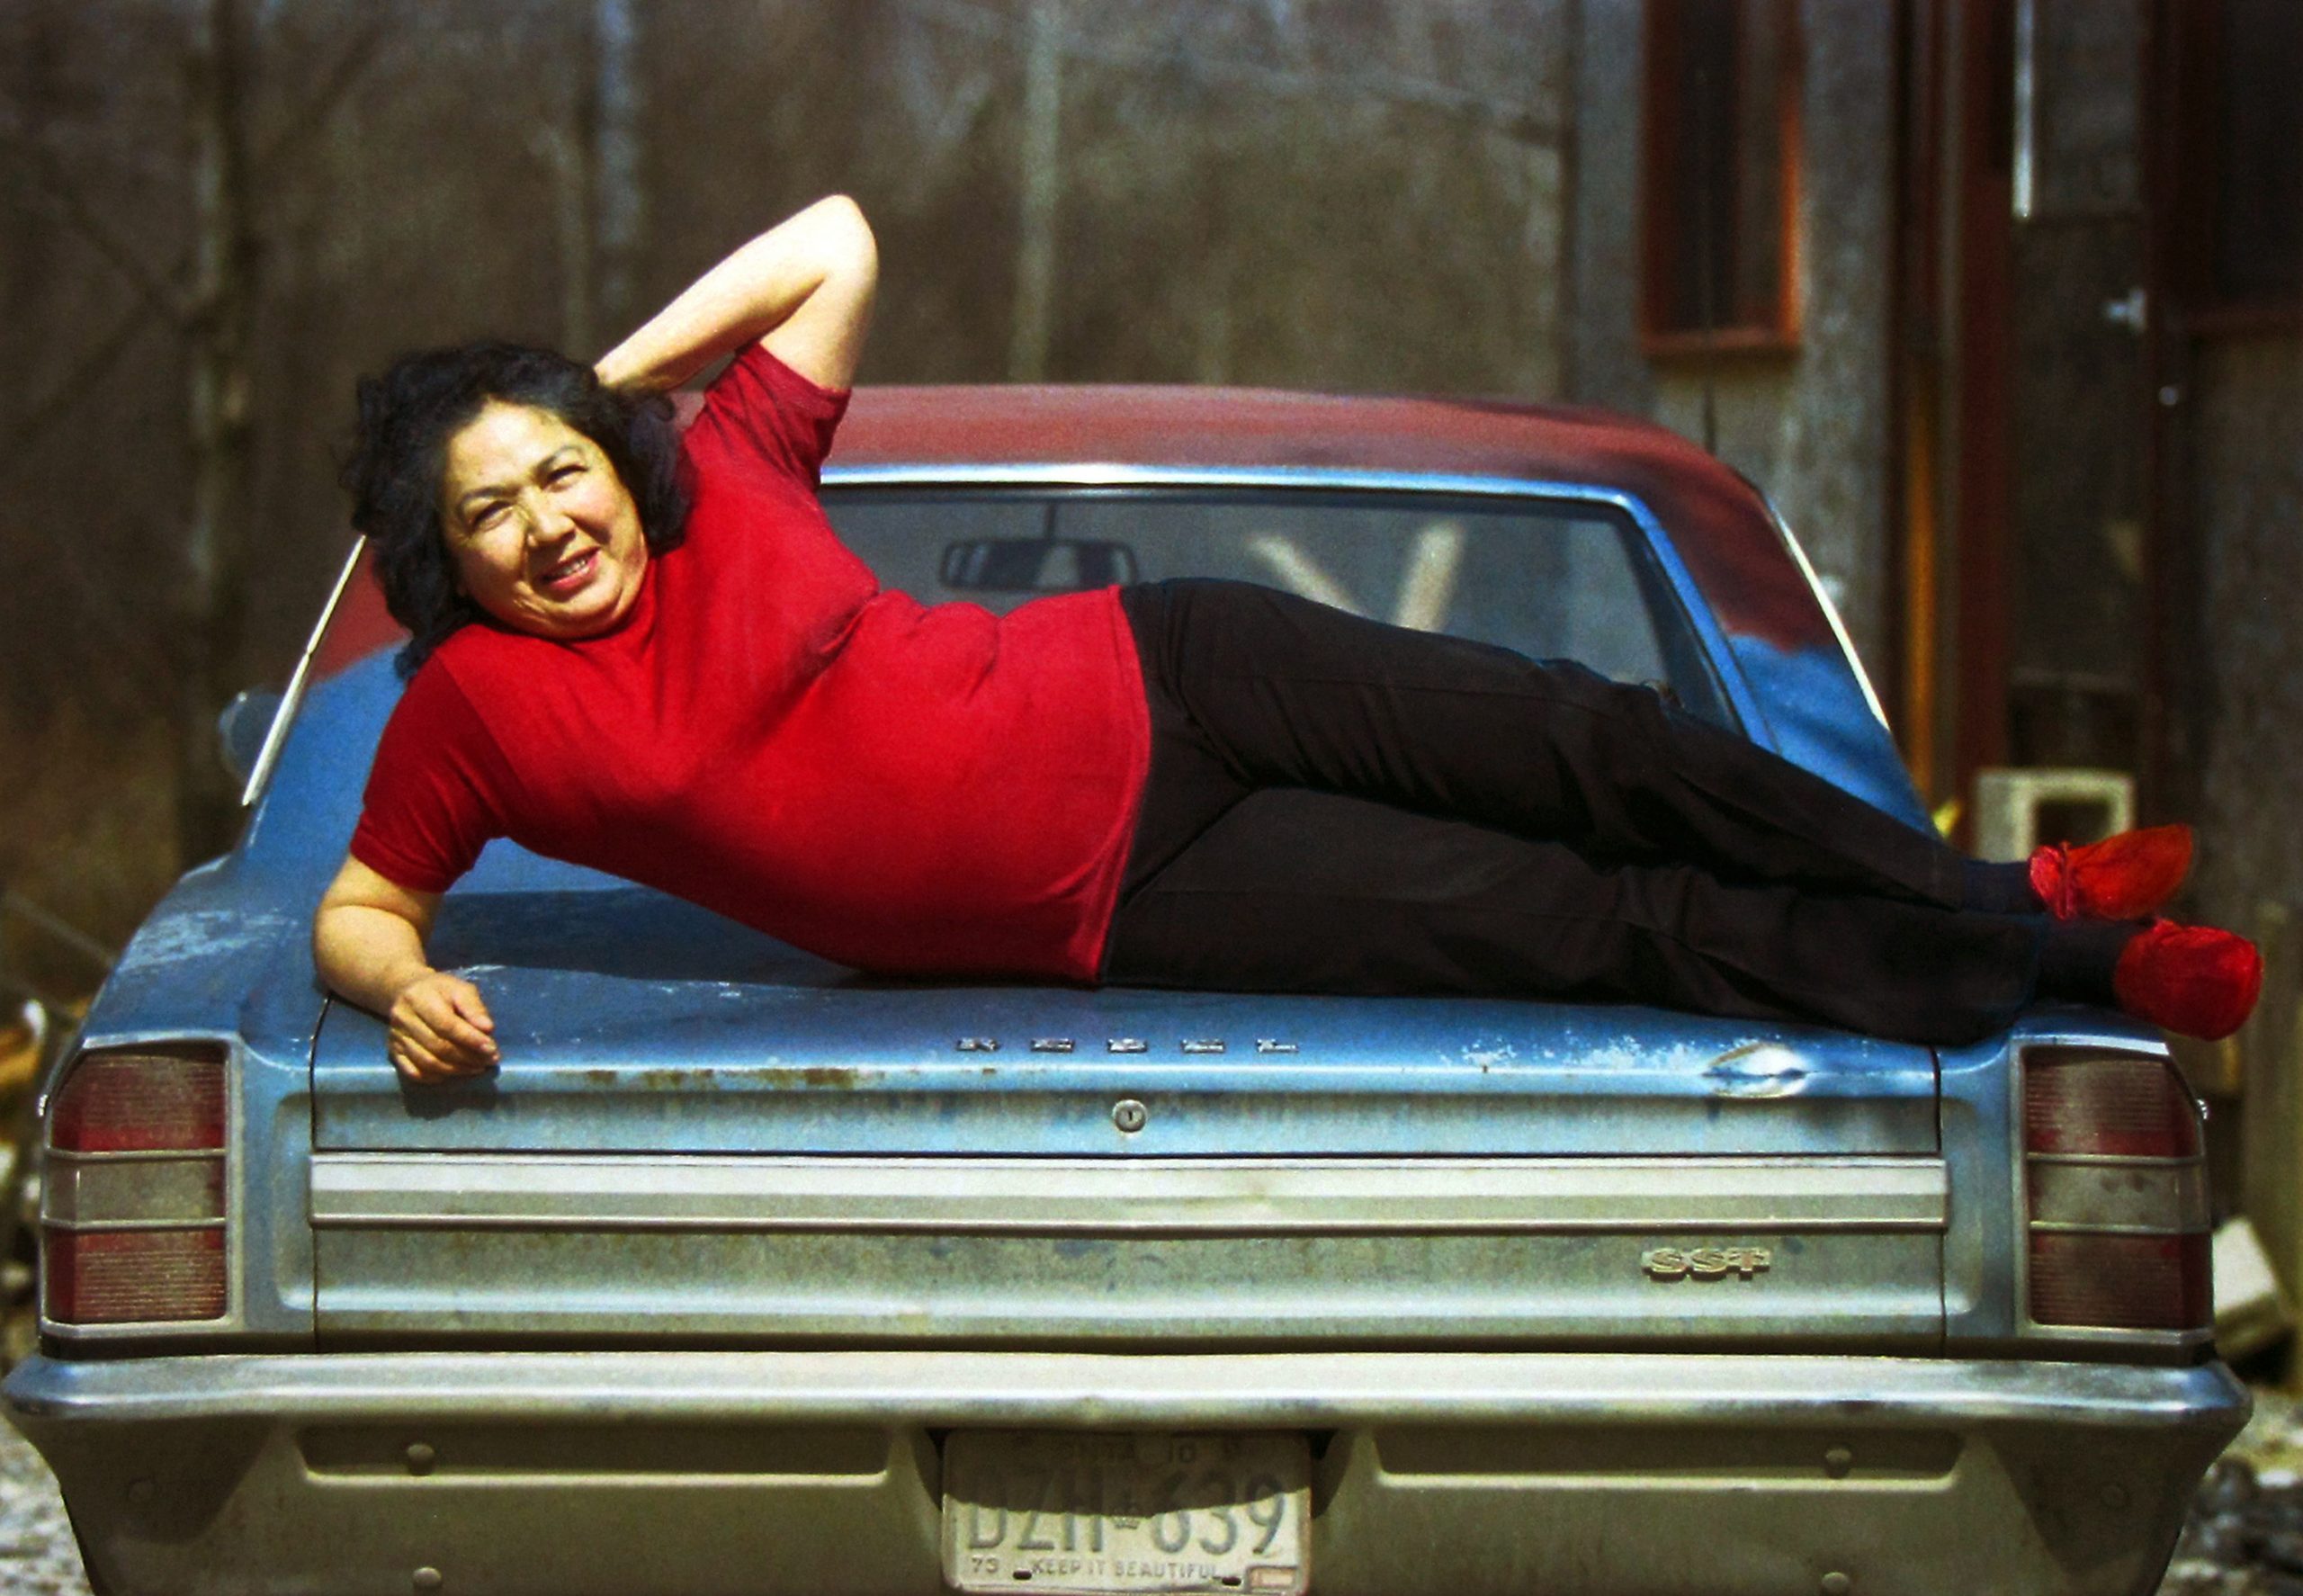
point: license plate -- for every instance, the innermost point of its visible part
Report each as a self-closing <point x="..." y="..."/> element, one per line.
<point x="1089" y="1514"/>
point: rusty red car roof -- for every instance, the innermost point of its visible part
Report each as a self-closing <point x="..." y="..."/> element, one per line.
<point x="1252" y="427"/>
<point x="1716" y="521"/>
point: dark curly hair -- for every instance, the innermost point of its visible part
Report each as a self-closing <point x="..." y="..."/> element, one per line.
<point x="406" y="416"/>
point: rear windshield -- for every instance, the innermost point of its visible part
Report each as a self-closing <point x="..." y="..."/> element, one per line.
<point x="1552" y="579"/>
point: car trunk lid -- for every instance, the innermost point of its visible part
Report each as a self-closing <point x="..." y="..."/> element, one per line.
<point x="663" y="1029"/>
<point x="778" y="1149"/>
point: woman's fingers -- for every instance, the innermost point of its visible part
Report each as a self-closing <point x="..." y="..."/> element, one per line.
<point x="417" y="1062"/>
<point x="450" y="1006"/>
<point x="435" y="1026"/>
<point x="427" y="1033"/>
<point x="465" y="997"/>
<point x="432" y="1056"/>
<point x="439" y="1025"/>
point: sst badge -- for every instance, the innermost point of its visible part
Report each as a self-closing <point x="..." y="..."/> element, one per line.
<point x="1093" y="1514"/>
<point x="1705" y="1263"/>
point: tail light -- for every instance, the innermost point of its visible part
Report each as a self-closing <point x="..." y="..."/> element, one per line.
<point x="2115" y="1181"/>
<point x="134" y="1201"/>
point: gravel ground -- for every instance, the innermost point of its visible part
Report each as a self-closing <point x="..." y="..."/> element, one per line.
<point x="2246" y="1534"/>
<point x="2244" y="1539"/>
<point x="37" y="1557"/>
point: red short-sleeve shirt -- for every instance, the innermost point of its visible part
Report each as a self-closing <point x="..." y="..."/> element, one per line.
<point x="767" y="733"/>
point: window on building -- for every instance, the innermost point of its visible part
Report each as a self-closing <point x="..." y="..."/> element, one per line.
<point x="1721" y="184"/>
<point x="2239" y="182"/>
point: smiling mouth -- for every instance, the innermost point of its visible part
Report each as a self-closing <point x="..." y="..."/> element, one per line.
<point x="570" y="573"/>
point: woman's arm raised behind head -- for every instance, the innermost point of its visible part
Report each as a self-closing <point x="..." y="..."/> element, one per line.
<point x="803" y="289"/>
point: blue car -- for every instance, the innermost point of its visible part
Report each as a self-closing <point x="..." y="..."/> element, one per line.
<point x="748" y="1273"/>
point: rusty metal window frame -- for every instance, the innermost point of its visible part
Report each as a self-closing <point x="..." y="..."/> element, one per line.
<point x="1696" y="107"/>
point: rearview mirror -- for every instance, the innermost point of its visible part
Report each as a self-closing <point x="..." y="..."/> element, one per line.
<point x="240" y="730"/>
<point x="1036" y="564"/>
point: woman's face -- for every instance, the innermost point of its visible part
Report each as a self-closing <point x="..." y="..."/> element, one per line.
<point x="542" y="532"/>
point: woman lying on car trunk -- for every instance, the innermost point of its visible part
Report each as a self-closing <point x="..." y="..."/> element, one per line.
<point x="648" y="652"/>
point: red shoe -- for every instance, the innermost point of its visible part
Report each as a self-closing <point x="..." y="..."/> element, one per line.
<point x="2193" y="979"/>
<point x="2121" y="878"/>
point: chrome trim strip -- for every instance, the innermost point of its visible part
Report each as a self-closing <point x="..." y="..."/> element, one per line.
<point x="1321" y="1390"/>
<point x="275" y="736"/>
<point x="1116" y="474"/>
<point x="1739" y="698"/>
<point x="2089" y="1340"/>
<point x="1700" y="1202"/>
<point x="2117" y="1161"/>
<point x="2070" y="1037"/>
<point x="98" y="1226"/>
<point x="2024" y="159"/>
<point x="136" y="1155"/>
<point x="1831" y="610"/>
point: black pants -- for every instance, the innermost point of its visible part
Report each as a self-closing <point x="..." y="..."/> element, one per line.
<point x="1338" y="805"/>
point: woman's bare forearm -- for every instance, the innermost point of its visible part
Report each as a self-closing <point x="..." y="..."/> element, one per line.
<point x="368" y="943"/>
<point x="808" y="280"/>
<point x="367" y="954"/>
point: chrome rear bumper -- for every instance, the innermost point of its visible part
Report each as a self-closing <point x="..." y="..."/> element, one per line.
<point x="700" y="1473"/>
